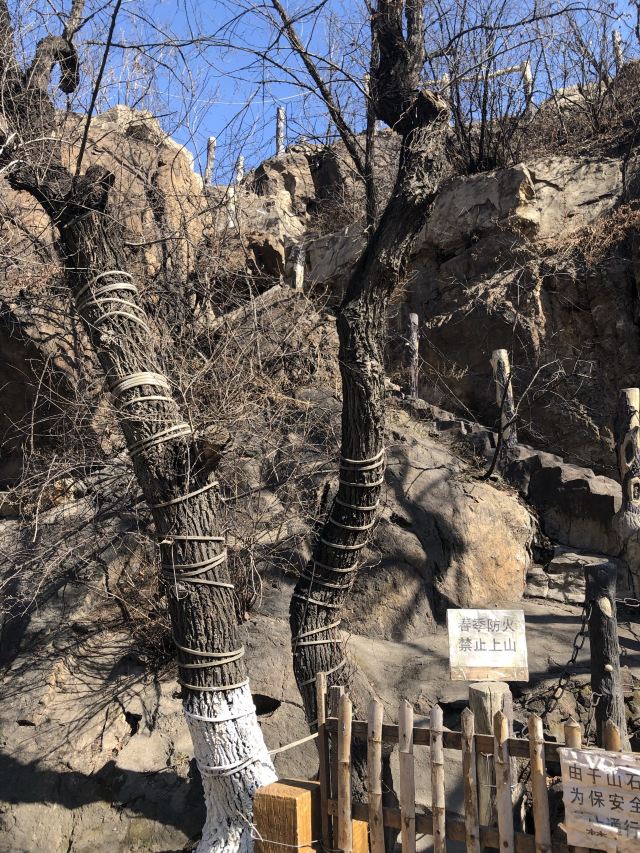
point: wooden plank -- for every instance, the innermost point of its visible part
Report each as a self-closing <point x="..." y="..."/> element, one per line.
<point x="323" y="758"/>
<point x="573" y="738"/>
<point x="489" y="837"/>
<point x="407" y="777"/>
<point x="542" y="826"/>
<point x="344" y="836"/>
<point x="471" y="822"/>
<point x="283" y="814"/>
<point x="374" y="780"/>
<point x="437" y="782"/>
<point x="502" y="764"/>
<point x="518" y="747"/>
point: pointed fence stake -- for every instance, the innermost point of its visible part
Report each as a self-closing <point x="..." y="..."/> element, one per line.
<point x="323" y="756"/>
<point x="407" y="777"/>
<point x="471" y="822"/>
<point x="503" y="783"/>
<point x="374" y="777"/>
<point x="539" y="785"/>
<point x="345" y="835"/>
<point x="437" y="782"/>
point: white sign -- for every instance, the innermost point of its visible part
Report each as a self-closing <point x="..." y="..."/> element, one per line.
<point x="601" y="792"/>
<point x="487" y="645"/>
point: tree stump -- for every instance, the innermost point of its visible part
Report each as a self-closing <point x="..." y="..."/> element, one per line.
<point x="485" y="700"/>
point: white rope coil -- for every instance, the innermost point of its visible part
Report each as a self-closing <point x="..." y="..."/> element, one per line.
<point x="100" y="276"/>
<point x="215" y="689"/>
<point x="208" y="664"/>
<point x="344" y="571"/>
<point x="180" y="430"/>
<point x="224" y="719"/>
<point x="228" y="769"/>
<point x="82" y="302"/>
<point x="327" y="672"/>
<point x="343" y="547"/>
<point x="328" y="584"/>
<point x="362" y="485"/>
<point x="191" y="538"/>
<point x="186" y="497"/>
<point x="152" y="398"/>
<point x="203" y="565"/>
<point x="363" y="461"/>
<point x="371" y="467"/>
<point x="352" y="526"/>
<point x="314" y="631"/>
<point x="143" y="378"/>
<point x="126" y="314"/>
<point x="308" y="600"/>
<point x="354" y="506"/>
<point x="213" y="655"/>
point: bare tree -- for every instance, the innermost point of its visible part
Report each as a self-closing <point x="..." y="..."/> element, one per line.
<point x="175" y="469"/>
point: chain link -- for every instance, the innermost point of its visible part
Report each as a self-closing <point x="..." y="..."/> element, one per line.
<point x="567" y="673"/>
<point x="628" y="602"/>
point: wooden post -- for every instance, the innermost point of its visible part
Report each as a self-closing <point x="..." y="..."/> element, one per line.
<point x="626" y="430"/>
<point x="605" y="651"/>
<point x="299" y="253"/>
<point x="618" y="55"/>
<point x="239" y="169"/>
<point x="573" y="739"/>
<point x="344" y="840"/>
<point x="437" y="782"/>
<point x="471" y="822"/>
<point x="335" y="694"/>
<point x="485" y="699"/>
<point x="527" y="87"/>
<point x="504" y="396"/>
<point x="414" y="352"/>
<point x="612" y="739"/>
<point x="407" y="777"/>
<point x="211" y="159"/>
<point x="504" y="806"/>
<point x="323" y="757"/>
<point x="280" y="128"/>
<point x="283" y="816"/>
<point x="539" y="785"/>
<point x="374" y="776"/>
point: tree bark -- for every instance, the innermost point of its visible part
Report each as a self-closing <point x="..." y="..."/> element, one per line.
<point x="627" y="519"/>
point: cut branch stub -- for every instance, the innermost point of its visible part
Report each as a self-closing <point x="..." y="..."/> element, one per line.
<point x="504" y="396"/>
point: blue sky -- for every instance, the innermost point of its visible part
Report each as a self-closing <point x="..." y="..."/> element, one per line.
<point x="197" y="68"/>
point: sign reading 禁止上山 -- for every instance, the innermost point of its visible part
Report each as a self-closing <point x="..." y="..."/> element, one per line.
<point x="601" y="793"/>
<point x="487" y="645"/>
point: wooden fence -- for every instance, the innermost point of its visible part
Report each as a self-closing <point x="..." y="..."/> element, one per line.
<point x="341" y="826"/>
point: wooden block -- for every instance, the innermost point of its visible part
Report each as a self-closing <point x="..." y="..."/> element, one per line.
<point x="360" y="836"/>
<point x="287" y="812"/>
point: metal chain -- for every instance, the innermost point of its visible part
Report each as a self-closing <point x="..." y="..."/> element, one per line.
<point x="628" y="602"/>
<point x="567" y="673"/>
<point x="593" y="704"/>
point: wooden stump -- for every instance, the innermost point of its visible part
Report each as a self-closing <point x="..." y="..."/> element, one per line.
<point x="485" y="700"/>
<point x="504" y="396"/>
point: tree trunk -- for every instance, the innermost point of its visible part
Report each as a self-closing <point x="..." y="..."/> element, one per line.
<point x="605" y="652"/>
<point x="174" y="469"/>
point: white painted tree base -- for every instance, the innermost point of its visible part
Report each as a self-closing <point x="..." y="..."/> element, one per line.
<point x="233" y="761"/>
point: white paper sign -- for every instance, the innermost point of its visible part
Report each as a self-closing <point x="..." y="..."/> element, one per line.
<point x="487" y="645"/>
<point x="601" y="792"/>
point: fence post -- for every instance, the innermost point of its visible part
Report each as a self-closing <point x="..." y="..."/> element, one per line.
<point x="280" y="128"/>
<point x="539" y="785"/>
<point x="504" y="396"/>
<point x="345" y="833"/>
<point x="336" y="691"/>
<point x="612" y="740"/>
<point x="407" y="777"/>
<point x="211" y="160"/>
<point x="239" y="174"/>
<point x="471" y="822"/>
<point x="414" y="352"/>
<point x="605" y="651"/>
<point x="299" y="253"/>
<point x="485" y="699"/>
<point x="283" y="816"/>
<point x="573" y="739"/>
<point x="626" y="430"/>
<point x="527" y="87"/>
<point x="374" y="776"/>
<point x="438" y="806"/>
<point x="504" y="805"/>
<point x="323" y="757"/>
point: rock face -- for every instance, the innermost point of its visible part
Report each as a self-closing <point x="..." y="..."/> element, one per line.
<point x="499" y="266"/>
